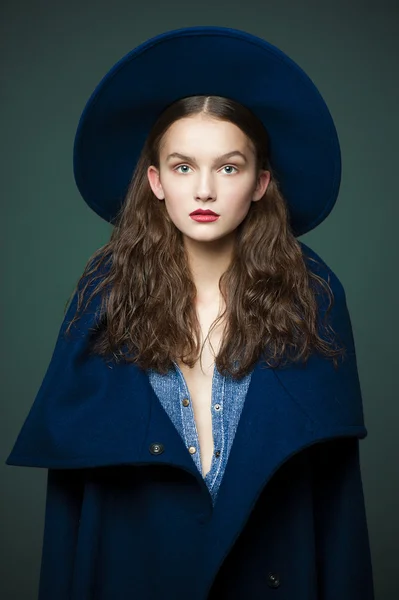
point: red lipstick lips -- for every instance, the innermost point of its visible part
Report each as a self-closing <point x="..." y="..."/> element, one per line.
<point x="204" y="216"/>
<point x="200" y="211"/>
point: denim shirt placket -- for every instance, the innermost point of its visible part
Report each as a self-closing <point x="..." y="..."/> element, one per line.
<point x="190" y="429"/>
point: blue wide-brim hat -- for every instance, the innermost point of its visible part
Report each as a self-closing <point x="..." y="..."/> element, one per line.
<point x="304" y="147"/>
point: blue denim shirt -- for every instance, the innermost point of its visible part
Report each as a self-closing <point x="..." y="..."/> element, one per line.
<point x="228" y="398"/>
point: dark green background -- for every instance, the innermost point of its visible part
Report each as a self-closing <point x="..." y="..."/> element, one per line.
<point x="52" y="56"/>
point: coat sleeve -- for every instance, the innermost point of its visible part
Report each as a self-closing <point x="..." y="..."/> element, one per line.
<point x="61" y="527"/>
<point x="342" y="542"/>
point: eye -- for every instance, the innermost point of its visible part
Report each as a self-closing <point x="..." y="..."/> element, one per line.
<point x="230" y="167"/>
<point x="180" y="166"/>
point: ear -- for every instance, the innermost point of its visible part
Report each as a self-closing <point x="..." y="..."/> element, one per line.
<point x="261" y="186"/>
<point x="155" y="182"/>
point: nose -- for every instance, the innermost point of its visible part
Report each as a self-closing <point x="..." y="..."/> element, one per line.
<point x="205" y="188"/>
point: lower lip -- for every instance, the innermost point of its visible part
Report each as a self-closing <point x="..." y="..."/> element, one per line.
<point x="204" y="218"/>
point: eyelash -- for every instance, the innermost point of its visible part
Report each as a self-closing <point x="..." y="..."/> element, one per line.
<point x="184" y="165"/>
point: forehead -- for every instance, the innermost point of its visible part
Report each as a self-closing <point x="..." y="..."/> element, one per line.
<point x="200" y="133"/>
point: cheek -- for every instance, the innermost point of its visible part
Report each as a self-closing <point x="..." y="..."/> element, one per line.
<point x="240" y="200"/>
<point x="174" y="207"/>
<point x="239" y="189"/>
<point x="175" y="190"/>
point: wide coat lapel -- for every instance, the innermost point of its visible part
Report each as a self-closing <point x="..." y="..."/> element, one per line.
<point x="286" y="410"/>
<point x="88" y="413"/>
<point x="274" y="425"/>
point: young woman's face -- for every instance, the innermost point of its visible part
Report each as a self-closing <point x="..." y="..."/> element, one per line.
<point x="203" y="178"/>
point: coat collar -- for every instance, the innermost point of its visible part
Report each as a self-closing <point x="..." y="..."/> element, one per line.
<point x="88" y="413"/>
<point x="72" y="426"/>
<point x="284" y="412"/>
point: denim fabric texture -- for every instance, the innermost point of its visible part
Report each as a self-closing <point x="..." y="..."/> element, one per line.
<point x="228" y="397"/>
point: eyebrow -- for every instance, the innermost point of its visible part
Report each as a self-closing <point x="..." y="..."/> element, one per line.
<point x="217" y="159"/>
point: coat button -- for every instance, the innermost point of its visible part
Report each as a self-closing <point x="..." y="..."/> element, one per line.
<point x="192" y="449"/>
<point x="185" y="402"/>
<point x="273" y="580"/>
<point x="156" y="448"/>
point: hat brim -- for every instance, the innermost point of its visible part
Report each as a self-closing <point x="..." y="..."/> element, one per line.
<point x="304" y="147"/>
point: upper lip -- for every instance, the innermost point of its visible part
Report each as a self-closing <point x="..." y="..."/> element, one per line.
<point x="201" y="211"/>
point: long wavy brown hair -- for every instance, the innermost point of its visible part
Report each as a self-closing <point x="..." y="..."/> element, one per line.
<point x="148" y="314"/>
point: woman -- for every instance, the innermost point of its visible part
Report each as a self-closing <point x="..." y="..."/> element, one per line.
<point x="199" y="421"/>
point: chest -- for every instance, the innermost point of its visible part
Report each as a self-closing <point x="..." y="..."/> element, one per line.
<point x="199" y="382"/>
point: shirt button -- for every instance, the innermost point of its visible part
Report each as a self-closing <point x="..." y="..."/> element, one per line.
<point x="185" y="402"/>
<point x="217" y="407"/>
<point x="273" y="580"/>
<point x="192" y="449"/>
<point x="156" y="448"/>
<point x="217" y="453"/>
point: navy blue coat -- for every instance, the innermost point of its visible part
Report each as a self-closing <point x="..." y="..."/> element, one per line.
<point x="128" y="515"/>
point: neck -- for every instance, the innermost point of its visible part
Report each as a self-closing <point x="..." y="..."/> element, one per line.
<point x="208" y="261"/>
